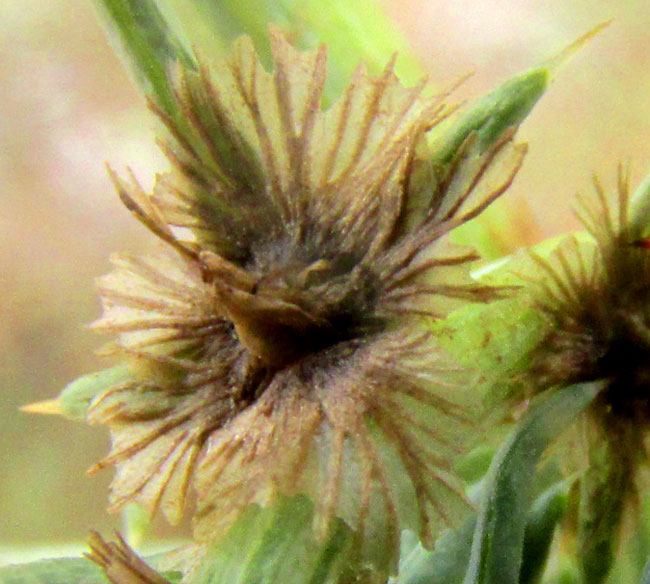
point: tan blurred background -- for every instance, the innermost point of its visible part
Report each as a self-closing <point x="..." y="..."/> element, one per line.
<point x="66" y="106"/>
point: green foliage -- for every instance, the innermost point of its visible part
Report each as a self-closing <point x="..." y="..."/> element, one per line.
<point x="353" y="32"/>
<point x="149" y="46"/>
<point x="447" y="564"/>
<point x="494" y="339"/>
<point x="278" y="544"/>
<point x="59" y="571"/>
<point x="646" y="573"/>
<point x="601" y="508"/>
<point x="63" y="571"/>
<point x="543" y="518"/>
<point x="497" y="339"/>
<point x="499" y="538"/>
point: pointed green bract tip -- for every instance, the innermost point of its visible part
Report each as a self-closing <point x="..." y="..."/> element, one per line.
<point x="75" y="398"/>
<point x="49" y="407"/>
<point x="554" y="63"/>
<point x="510" y="104"/>
<point x="507" y="105"/>
<point x="73" y="401"/>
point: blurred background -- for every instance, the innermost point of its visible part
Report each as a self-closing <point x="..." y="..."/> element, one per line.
<point x="67" y="105"/>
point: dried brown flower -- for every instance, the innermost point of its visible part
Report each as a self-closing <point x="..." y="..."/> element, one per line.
<point x="281" y="346"/>
<point x="596" y="296"/>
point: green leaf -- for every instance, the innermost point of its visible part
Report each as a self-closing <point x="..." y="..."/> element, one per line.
<point x="645" y="578"/>
<point x="498" y="540"/>
<point x="278" y="544"/>
<point x="566" y="574"/>
<point x="446" y="564"/>
<point x="353" y="31"/>
<point x="632" y="560"/>
<point x="547" y="510"/>
<point x="68" y="571"/>
<point x="59" y="571"/>
<point x="149" y="46"/>
<point x="602" y="490"/>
